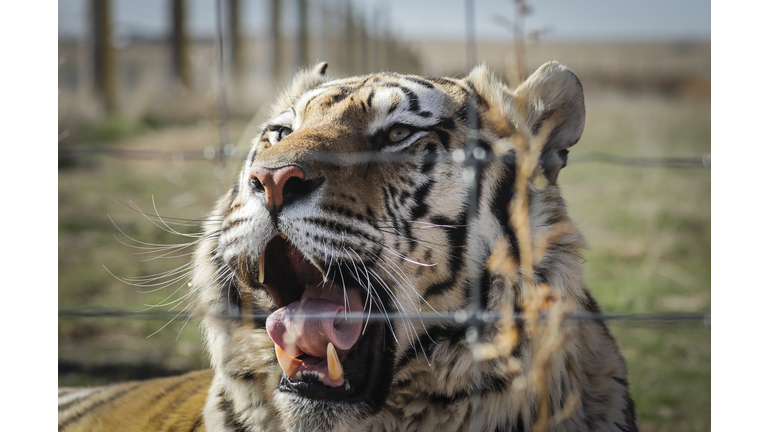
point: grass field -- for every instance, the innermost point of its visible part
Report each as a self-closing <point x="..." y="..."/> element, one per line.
<point x="648" y="229"/>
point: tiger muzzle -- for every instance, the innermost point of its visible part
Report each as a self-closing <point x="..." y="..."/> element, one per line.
<point x="282" y="186"/>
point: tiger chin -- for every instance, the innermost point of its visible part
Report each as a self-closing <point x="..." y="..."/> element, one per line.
<point x="356" y="202"/>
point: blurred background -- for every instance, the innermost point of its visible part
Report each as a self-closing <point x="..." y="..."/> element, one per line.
<point x="158" y="101"/>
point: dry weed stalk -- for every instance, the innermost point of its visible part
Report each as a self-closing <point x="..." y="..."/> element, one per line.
<point x="543" y="309"/>
<point x="517" y="70"/>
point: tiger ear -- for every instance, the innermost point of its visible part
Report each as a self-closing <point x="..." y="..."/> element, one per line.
<point x="303" y="81"/>
<point x="308" y="78"/>
<point x="320" y="68"/>
<point x="551" y="94"/>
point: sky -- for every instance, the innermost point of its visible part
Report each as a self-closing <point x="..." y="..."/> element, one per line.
<point x="564" y="20"/>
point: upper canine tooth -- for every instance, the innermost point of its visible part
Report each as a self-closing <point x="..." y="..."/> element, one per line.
<point x="335" y="371"/>
<point x="261" y="267"/>
<point x="287" y="362"/>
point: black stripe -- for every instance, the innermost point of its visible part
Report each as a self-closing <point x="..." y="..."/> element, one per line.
<point x="520" y="423"/>
<point x="630" y="418"/>
<point x="493" y="383"/>
<point x="535" y="414"/>
<point x="457" y="238"/>
<point x="243" y="376"/>
<point x="419" y="81"/>
<point x="440" y="80"/>
<point x="447" y="123"/>
<point x="413" y="100"/>
<point x="440" y="287"/>
<point x="199" y="423"/>
<point x="453" y="334"/>
<point x="65" y="406"/>
<point x="96" y="405"/>
<point x="486" y="282"/>
<point x="306" y="106"/>
<point x="175" y="385"/>
<point x="621" y="381"/>
<point x="335" y="99"/>
<point x="463" y="115"/>
<point x="173" y="404"/>
<point x="229" y="289"/>
<point x="479" y="98"/>
<point x="232" y="224"/>
<point x="502" y="196"/>
<point x="390" y="211"/>
<point x="235" y="190"/>
<point x="420" y="198"/>
<point x="445" y="138"/>
<point x="337" y="227"/>
<point x="437" y="398"/>
<point x="430" y="158"/>
<point x="230" y="419"/>
<point x="627" y="428"/>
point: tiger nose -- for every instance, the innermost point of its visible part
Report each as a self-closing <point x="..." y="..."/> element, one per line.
<point x="274" y="183"/>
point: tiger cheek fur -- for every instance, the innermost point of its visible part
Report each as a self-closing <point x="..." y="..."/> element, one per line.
<point x="355" y="199"/>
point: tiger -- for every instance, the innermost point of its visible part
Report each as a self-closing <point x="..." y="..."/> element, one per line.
<point x="367" y="271"/>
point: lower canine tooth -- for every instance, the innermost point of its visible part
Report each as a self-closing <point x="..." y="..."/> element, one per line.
<point x="261" y="268"/>
<point x="288" y="363"/>
<point x="335" y="371"/>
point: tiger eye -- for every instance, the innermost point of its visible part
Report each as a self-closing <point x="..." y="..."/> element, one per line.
<point x="283" y="132"/>
<point x="399" y="133"/>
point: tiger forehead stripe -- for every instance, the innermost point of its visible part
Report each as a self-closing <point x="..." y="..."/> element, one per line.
<point x="382" y="103"/>
<point x="414" y="105"/>
<point x="303" y="103"/>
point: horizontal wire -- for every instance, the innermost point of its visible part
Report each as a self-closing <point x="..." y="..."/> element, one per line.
<point x="212" y="154"/>
<point x="460" y="317"/>
<point x="84" y="151"/>
<point x="705" y="161"/>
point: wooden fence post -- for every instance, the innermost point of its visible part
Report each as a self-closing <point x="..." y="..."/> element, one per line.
<point x="182" y="69"/>
<point x="275" y="41"/>
<point x="104" y="54"/>
<point x="236" y="42"/>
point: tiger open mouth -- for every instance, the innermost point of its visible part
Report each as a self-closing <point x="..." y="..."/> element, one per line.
<point x="324" y="352"/>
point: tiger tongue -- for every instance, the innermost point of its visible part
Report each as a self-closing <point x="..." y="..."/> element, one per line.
<point x="308" y="325"/>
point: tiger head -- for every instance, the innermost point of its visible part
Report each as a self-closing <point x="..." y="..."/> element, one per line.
<point x="376" y="195"/>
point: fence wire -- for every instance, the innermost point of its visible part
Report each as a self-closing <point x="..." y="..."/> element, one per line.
<point x="225" y="151"/>
<point x="461" y="317"/>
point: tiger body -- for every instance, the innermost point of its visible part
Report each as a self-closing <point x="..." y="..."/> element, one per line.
<point x="162" y="404"/>
<point x="357" y="199"/>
